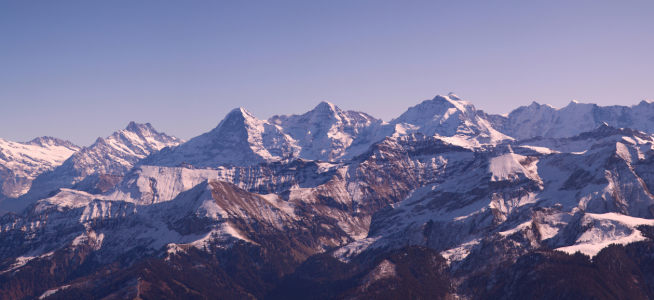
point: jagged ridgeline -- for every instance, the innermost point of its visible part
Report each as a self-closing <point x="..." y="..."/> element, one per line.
<point x="442" y="202"/>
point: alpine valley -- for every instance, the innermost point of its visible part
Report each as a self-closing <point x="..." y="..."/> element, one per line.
<point x="443" y="202"/>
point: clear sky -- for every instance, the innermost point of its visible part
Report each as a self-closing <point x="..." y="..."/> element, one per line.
<point x="81" y="69"/>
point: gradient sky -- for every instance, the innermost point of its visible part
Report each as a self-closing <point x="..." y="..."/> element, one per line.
<point x="77" y="70"/>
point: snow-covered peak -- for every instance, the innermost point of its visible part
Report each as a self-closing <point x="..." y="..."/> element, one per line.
<point x="431" y="109"/>
<point x="238" y="117"/>
<point x="326" y="107"/>
<point x="20" y="163"/>
<point x="599" y="137"/>
<point x="547" y="121"/>
<point x="134" y="142"/>
<point x="329" y="133"/>
<point x="238" y="123"/>
<point x="46" y="141"/>
<point x="324" y="133"/>
<point x="450" y="117"/>
<point x="115" y="155"/>
<point x="240" y="112"/>
<point x="137" y="140"/>
<point x="551" y="122"/>
<point x="133" y="126"/>
<point x="142" y="129"/>
<point x="239" y="139"/>
<point x="323" y="112"/>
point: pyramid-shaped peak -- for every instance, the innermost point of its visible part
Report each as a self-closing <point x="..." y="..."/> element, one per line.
<point x="141" y="129"/>
<point x="238" y="117"/>
<point x="452" y="102"/>
<point x="437" y="107"/>
<point x="326" y="106"/>
<point x="452" y="98"/>
<point x="99" y="141"/>
<point x="240" y="111"/>
<point x="324" y="110"/>
<point x="441" y="98"/>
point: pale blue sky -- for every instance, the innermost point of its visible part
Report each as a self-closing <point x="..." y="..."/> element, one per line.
<point x="82" y="69"/>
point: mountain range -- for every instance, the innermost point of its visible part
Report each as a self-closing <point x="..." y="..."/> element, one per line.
<point x="443" y="202"/>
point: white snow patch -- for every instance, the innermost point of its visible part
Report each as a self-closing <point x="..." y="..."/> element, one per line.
<point x="20" y="261"/>
<point x="461" y="251"/>
<point x="541" y="150"/>
<point x="506" y="167"/>
<point x="49" y="293"/>
<point x="516" y="229"/>
<point x="609" y="228"/>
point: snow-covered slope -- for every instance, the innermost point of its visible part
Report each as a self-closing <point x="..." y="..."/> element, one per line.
<point x="117" y="153"/>
<point x="114" y="155"/>
<point x="20" y="163"/>
<point x="324" y="133"/>
<point x="548" y="121"/>
<point x="240" y="139"/>
<point x="593" y="232"/>
<point x="328" y="133"/>
<point x="451" y="117"/>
